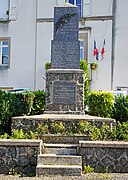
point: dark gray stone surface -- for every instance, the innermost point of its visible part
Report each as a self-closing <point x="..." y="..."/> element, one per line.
<point x="58" y="100"/>
<point x="65" y="48"/>
<point x="65" y="23"/>
<point x="65" y="80"/>
<point x="64" y="92"/>
<point x="19" y="156"/>
<point x="65" y="55"/>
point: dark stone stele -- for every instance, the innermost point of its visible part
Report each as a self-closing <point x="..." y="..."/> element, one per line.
<point x="65" y="24"/>
<point x="65" y="48"/>
<point x="64" y="92"/>
<point x="64" y="81"/>
<point x="65" y="55"/>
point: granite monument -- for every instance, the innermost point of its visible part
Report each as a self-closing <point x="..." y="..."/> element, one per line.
<point x="64" y="81"/>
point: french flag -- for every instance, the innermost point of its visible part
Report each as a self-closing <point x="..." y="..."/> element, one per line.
<point x="95" y="49"/>
<point x="103" y="49"/>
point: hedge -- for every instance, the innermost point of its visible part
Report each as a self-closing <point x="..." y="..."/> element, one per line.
<point x="101" y="104"/>
<point x="19" y="104"/>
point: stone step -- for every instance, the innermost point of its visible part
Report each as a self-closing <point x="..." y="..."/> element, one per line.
<point x="60" y="149"/>
<point x="65" y="139"/>
<point x="53" y="159"/>
<point x="58" y="170"/>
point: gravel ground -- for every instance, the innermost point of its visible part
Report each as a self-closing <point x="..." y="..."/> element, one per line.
<point x="89" y="176"/>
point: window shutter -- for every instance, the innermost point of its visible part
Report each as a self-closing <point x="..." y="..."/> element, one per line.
<point x="87" y="8"/>
<point x="3" y="9"/>
<point x="59" y="2"/>
<point x="13" y="10"/>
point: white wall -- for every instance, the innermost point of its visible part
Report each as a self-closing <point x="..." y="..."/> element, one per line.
<point x="101" y="7"/>
<point x="22" y="56"/>
<point x="100" y="78"/>
<point x="121" y="52"/>
<point x="31" y="44"/>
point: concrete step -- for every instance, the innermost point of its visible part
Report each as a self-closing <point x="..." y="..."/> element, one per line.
<point x="60" y="149"/>
<point x="53" y="159"/>
<point x="65" y="139"/>
<point x="58" y="170"/>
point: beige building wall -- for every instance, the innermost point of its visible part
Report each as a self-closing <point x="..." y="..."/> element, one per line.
<point x="31" y="33"/>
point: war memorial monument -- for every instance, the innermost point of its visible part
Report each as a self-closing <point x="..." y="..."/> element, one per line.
<point x="65" y="79"/>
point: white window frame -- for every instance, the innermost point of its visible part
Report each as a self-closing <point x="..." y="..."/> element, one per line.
<point x="4" y="58"/>
<point x="75" y="2"/>
<point x="82" y="49"/>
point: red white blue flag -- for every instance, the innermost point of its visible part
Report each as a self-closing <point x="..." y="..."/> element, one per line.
<point x="95" y="49"/>
<point x="103" y="48"/>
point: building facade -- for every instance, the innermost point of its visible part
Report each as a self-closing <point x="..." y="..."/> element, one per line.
<point x="26" y="31"/>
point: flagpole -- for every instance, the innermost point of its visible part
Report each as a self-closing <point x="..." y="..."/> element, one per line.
<point x="113" y="43"/>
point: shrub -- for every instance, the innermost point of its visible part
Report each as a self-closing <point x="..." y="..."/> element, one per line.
<point x="38" y="103"/>
<point x="13" y="104"/>
<point x="101" y="104"/>
<point x="84" y="67"/>
<point x="5" y="113"/>
<point x="120" y="109"/>
<point x="120" y="131"/>
<point x="100" y="133"/>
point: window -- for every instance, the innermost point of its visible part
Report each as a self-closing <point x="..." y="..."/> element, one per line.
<point x="79" y="4"/>
<point x="83" y="37"/>
<point x="8" y="10"/>
<point x="81" y="49"/>
<point x="4" y="7"/>
<point x="4" y="52"/>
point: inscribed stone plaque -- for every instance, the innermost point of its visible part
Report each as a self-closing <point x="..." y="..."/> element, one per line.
<point x="64" y="92"/>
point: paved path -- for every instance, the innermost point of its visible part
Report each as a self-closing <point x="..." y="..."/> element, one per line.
<point x="89" y="176"/>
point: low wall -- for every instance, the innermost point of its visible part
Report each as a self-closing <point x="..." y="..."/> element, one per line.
<point x="19" y="156"/>
<point x="105" y="156"/>
<point x="30" y="123"/>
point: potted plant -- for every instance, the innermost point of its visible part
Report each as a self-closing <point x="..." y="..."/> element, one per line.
<point x="47" y="65"/>
<point x="93" y="65"/>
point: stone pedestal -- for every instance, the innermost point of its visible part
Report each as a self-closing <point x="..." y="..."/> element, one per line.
<point x="64" y="82"/>
<point x="64" y="89"/>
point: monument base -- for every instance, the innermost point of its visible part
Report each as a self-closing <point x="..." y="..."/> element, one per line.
<point x="65" y="112"/>
<point x="64" y="89"/>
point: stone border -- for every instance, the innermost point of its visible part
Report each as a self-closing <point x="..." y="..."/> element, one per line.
<point x="105" y="156"/>
<point x="20" y="142"/>
<point x="104" y="144"/>
<point x="19" y="156"/>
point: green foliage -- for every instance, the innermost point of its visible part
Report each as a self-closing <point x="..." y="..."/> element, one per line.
<point x="42" y="128"/>
<point x="94" y="65"/>
<point x="120" y="109"/>
<point x="5" y="113"/>
<point x="93" y="132"/>
<point x="83" y="127"/>
<point x="101" y="104"/>
<point x="120" y="131"/>
<point x="88" y="169"/>
<point x="13" y="104"/>
<point x="84" y="67"/>
<point x="100" y="133"/>
<point x="38" y="103"/>
<point x="28" y="99"/>
<point x="19" y="134"/>
<point x="17" y="103"/>
<point x="47" y="65"/>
